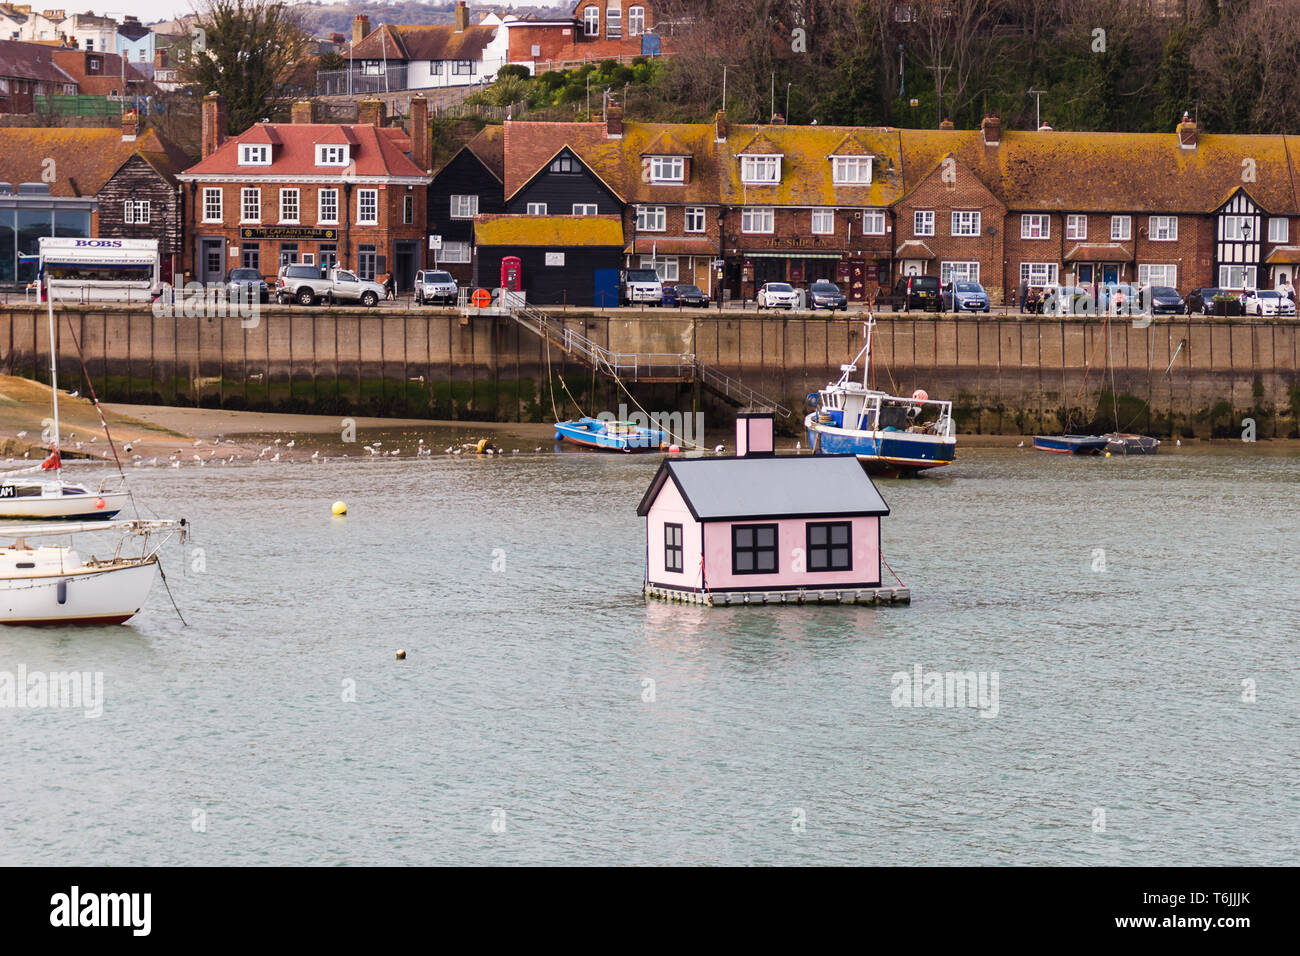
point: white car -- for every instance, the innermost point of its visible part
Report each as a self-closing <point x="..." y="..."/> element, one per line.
<point x="1266" y="302"/>
<point x="777" y="295"/>
<point x="434" y="285"/>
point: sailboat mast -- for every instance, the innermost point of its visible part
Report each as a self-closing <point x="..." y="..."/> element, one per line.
<point x="54" y="383"/>
<point x="866" y="364"/>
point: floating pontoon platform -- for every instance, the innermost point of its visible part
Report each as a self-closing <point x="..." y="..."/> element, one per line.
<point x="899" y="595"/>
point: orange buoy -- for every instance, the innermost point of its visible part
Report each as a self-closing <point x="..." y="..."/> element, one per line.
<point x="481" y="298"/>
<point x="100" y="503"/>
<point x="921" y="395"/>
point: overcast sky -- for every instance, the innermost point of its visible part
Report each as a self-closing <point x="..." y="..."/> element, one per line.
<point x="152" y="10"/>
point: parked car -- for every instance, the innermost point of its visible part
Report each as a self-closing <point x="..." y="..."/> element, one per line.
<point x="1266" y="302"/>
<point x="1118" y="295"/>
<point x="1065" y="300"/>
<point x="642" y="286"/>
<point x="1166" y="300"/>
<point x="685" y="294"/>
<point x="247" y="283"/>
<point x="824" y="294"/>
<point x="965" y="296"/>
<point x="307" y="286"/>
<point x="777" y="295"/>
<point x="434" y="285"/>
<point x="915" y="292"/>
<point x="1201" y="300"/>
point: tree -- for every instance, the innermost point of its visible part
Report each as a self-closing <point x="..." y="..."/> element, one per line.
<point x="247" y="54"/>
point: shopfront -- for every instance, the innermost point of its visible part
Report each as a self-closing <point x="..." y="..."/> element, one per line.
<point x="29" y="213"/>
<point x="858" y="277"/>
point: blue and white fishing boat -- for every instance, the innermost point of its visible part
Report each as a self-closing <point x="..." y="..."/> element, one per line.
<point x="889" y="434"/>
<point x="611" y="435"/>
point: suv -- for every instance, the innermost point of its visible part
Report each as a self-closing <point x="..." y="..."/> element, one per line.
<point x="642" y="285"/>
<point x="306" y="286"/>
<point x="433" y="285"/>
<point x="915" y="292"/>
<point x="250" y="279"/>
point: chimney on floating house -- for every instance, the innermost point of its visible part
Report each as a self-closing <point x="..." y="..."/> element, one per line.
<point x="302" y="112"/>
<point x="755" y="432"/>
<point x="1187" y="133"/>
<point x="419" y="132"/>
<point x="720" y="126"/>
<point x="360" y="28"/>
<point x="214" y="123"/>
<point x="991" y="128"/>
<point x="462" y="17"/>
<point x="371" y="113"/>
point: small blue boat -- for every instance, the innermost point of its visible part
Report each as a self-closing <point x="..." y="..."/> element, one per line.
<point x="1071" y="444"/>
<point x="611" y="435"/>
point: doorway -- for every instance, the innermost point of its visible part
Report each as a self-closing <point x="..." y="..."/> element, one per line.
<point x="406" y="263"/>
<point x="212" y="260"/>
<point x="1110" y="274"/>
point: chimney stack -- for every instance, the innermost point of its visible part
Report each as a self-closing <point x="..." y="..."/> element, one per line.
<point x="613" y="119"/>
<point x="419" y="131"/>
<point x="214" y="123"/>
<point x="130" y="126"/>
<point x="302" y="111"/>
<point x="1187" y="133"/>
<point x="462" y="17"/>
<point x="754" y="432"/>
<point x="991" y="127"/>
<point x="360" y="28"/>
<point x="371" y="113"/>
<point x="720" y="126"/>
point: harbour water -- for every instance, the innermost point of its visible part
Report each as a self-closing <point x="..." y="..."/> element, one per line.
<point x="1139" y="618"/>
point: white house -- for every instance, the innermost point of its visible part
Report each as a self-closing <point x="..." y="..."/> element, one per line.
<point x="92" y="33"/>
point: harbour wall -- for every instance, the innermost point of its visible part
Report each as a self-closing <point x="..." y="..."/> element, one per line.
<point x="1009" y="375"/>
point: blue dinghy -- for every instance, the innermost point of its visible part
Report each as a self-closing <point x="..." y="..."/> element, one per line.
<point x="611" y="436"/>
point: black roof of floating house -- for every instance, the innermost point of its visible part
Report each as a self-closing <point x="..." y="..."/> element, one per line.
<point x="807" y="486"/>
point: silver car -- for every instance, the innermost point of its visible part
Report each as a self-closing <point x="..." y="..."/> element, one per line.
<point x="434" y="285"/>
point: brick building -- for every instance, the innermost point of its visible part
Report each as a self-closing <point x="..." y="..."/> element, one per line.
<point x="352" y="194"/>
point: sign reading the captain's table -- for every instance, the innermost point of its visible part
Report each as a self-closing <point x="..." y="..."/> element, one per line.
<point x="287" y="232"/>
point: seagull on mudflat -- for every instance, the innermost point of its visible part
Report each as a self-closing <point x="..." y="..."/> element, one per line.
<point x="1021" y="445"/>
<point x="718" y="449"/>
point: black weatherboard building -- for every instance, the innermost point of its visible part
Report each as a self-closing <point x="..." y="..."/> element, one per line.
<point x="468" y="185"/>
<point x="571" y="260"/>
<point x="565" y="186"/>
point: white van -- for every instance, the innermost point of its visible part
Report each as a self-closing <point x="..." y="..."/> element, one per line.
<point x="642" y="286"/>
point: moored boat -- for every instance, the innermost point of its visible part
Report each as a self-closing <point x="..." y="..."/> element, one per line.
<point x="611" y="435"/>
<point x="1071" y="444"/>
<point x="1123" y="443"/>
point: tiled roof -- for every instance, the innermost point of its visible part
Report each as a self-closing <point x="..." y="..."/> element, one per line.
<point x="31" y="61"/>
<point x="914" y="249"/>
<point x="84" y="159"/>
<point x="760" y="145"/>
<point x="73" y="62"/>
<point x="1099" y="252"/>
<point x="422" y="43"/>
<point x="379" y="152"/>
<point x="566" y="231"/>
<point x="666" y="145"/>
<point x="489" y="147"/>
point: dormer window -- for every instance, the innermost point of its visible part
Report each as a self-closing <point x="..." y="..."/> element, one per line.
<point x="331" y="155"/>
<point x="760" y="170"/>
<point x="851" y="170"/>
<point x="667" y="169"/>
<point x="254" y="154"/>
<point x="563" y="164"/>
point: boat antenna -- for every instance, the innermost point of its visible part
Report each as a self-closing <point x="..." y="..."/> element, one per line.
<point x="54" y="383"/>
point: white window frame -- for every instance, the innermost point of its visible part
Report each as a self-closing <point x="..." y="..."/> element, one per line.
<point x="1168" y="273"/>
<point x="254" y="154"/>
<point x="823" y="222"/>
<point x="1040" y="273"/>
<point x="968" y="271"/>
<point x="536" y="209"/>
<point x="613" y="23"/>
<point x="760" y="170"/>
<point x="455" y="252"/>
<point x="212" y="204"/>
<point x="1279" y="229"/>
<point x="966" y="222"/>
<point x="372" y="67"/>
<point x="635" y="21"/>
<point x="135" y="212"/>
<point x="244" y="205"/>
<point x="923" y="222"/>
<point x="1232" y="228"/>
<point x="290" y="197"/>
<point x="851" y="170"/>
<point x="591" y="21"/>
<point x="1121" y="228"/>
<point x="696" y="219"/>
<point x="1247" y="273"/>
<point x="362" y="196"/>
<point x="327" y="207"/>
<point x="651" y="218"/>
<point x="331" y="154"/>
<point x="1035" y="226"/>
<point x="666" y="267"/>
<point x="1076" y="226"/>
<point x="464" y="206"/>
<point x="668" y="169"/>
<point x="463" y="68"/>
<point x="757" y="221"/>
<point x="873" y="222"/>
<point x="1162" y="228"/>
<point x="586" y="209"/>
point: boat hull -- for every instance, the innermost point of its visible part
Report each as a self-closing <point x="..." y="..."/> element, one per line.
<point x="1071" y="444"/>
<point x="1120" y="443"/>
<point x="882" y="452"/>
<point x="592" y="434"/>
<point x="110" y="595"/>
<point x="71" y="507"/>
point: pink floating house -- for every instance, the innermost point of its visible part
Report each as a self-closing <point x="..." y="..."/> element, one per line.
<point x="763" y="528"/>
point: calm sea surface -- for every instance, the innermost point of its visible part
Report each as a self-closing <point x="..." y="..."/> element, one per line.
<point x="522" y="727"/>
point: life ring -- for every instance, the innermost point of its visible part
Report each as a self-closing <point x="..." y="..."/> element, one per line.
<point x="481" y="298"/>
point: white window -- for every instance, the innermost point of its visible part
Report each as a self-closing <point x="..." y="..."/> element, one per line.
<point x="331" y="155"/>
<point x="327" y="207"/>
<point x="254" y="154"/>
<point x="563" y="164"/>
<point x="1121" y="227"/>
<point x="694" y="218"/>
<point x="537" y="209"/>
<point x="1278" y="229"/>
<point x="851" y="170"/>
<point x="1237" y="277"/>
<point x="464" y="207"/>
<point x="372" y="67"/>
<point x="454" y="252"/>
<point x="965" y="223"/>
<point x="289" y="205"/>
<point x="1239" y="228"/>
<point x="667" y="169"/>
<point x="463" y="68"/>
<point x="1076" y="227"/>
<point x="923" y="222"/>
<point x="823" y="222"/>
<point x="757" y="220"/>
<point x="212" y="205"/>
<point x="250" y="204"/>
<point x="959" y="272"/>
<point x="136" y="212"/>
<point x="435" y="67"/>
<point x="591" y="22"/>
<point x="1034" y="227"/>
<point x="665" y="266"/>
<point x="585" y="208"/>
<point x="635" y="21"/>
<point x="651" y="218"/>
<point x="613" y="23"/>
<point x="1163" y="228"/>
<point x="1158" y="275"/>
<point x="873" y="222"/>
<point x="367" y="207"/>
<point x="760" y="169"/>
<point x="1039" y="273"/>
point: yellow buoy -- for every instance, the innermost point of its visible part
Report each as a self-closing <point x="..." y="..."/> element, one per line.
<point x="340" y="508"/>
<point x="481" y="446"/>
<point x="1107" y="454"/>
<point x="401" y="655"/>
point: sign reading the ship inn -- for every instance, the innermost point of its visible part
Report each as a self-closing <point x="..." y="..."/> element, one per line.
<point x="286" y="232"/>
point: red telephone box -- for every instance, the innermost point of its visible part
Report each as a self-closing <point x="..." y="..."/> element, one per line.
<point x="511" y="274"/>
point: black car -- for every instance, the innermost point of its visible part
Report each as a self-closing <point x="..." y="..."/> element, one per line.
<point x="239" y="279"/>
<point x="1201" y="300"/>
<point x="685" y="294"/>
<point x="827" y="295"/>
<point x="915" y="292"/>
<point x="1165" y="301"/>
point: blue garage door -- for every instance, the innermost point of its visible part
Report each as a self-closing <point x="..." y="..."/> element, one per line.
<point x="605" y="292"/>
